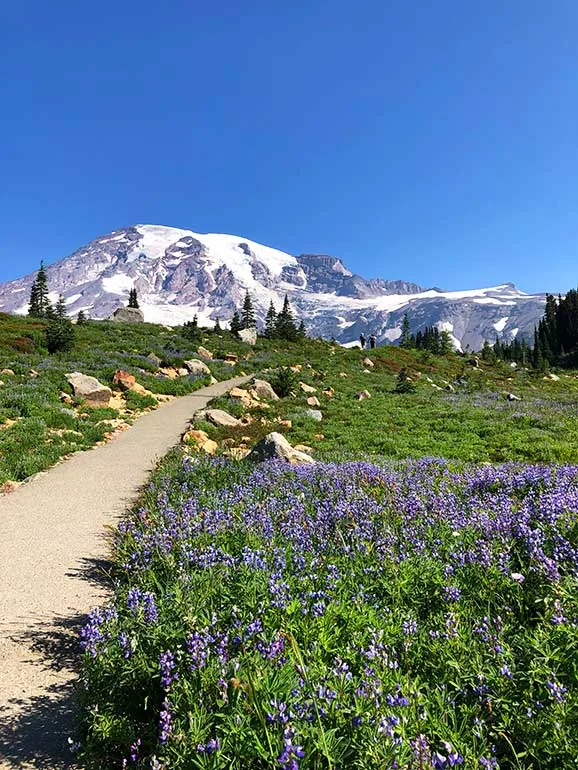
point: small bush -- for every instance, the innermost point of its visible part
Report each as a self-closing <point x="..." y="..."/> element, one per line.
<point x="283" y="381"/>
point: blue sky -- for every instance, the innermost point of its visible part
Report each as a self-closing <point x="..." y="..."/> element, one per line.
<point x="435" y="142"/>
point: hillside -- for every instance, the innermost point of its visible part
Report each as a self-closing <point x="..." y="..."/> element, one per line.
<point x="179" y="273"/>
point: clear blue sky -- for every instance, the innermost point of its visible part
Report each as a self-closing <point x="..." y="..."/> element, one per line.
<point x="431" y="141"/>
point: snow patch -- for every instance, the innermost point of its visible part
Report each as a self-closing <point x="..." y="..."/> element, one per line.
<point x="117" y="284"/>
<point x="500" y="325"/>
<point x="72" y="299"/>
<point x="392" y="334"/>
<point x="445" y="326"/>
<point x="514" y="332"/>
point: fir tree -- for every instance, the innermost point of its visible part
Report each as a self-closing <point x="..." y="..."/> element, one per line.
<point x="81" y="318"/>
<point x="60" y="332"/>
<point x="285" y="326"/>
<point x="248" y="314"/>
<point x="403" y="383"/>
<point x="445" y="343"/>
<point x="217" y="326"/>
<point x="405" y="340"/>
<point x="60" y="308"/>
<point x="132" y="299"/>
<point x="271" y="322"/>
<point x="301" y="331"/>
<point x="39" y="303"/>
<point x="191" y="329"/>
<point x="235" y="325"/>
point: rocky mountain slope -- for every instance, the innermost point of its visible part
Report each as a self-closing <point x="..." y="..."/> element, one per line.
<point x="179" y="273"/>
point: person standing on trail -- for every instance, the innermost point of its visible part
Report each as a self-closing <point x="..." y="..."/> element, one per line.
<point x="372" y="341"/>
<point x="362" y="340"/>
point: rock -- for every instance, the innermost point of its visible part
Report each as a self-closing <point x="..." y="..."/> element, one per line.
<point x="367" y="371"/>
<point x="237" y="452"/>
<point x="343" y="375"/>
<point x="513" y="397"/>
<point x="200" y="439"/>
<point x="213" y="380"/>
<point x="436" y="387"/>
<point x="363" y="395"/>
<point x="7" y="372"/>
<point x="248" y="336"/>
<point x="66" y="398"/>
<point x="450" y="388"/>
<point x="141" y="390"/>
<point x="307" y="388"/>
<point x="552" y="377"/>
<point x="244" y="397"/>
<point x="329" y="392"/>
<point x="276" y="447"/>
<point x="33" y="373"/>
<point x="319" y="437"/>
<point x="124" y="380"/>
<point x="461" y="381"/>
<point x="219" y="417"/>
<point x="182" y="372"/>
<point x="475" y="362"/>
<point x="89" y="389"/>
<point x="285" y="423"/>
<point x="513" y="365"/>
<point x="263" y="389"/>
<point x="130" y="315"/>
<point x="9" y="486"/>
<point x="154" y="359"/>
<point x="304" y="448"/>
<point x="204" y="353"/>
<point x="368" y="362"/>
<point x="314" y="414"/>
<point x="170" y="372"/>
<point x="297" y="368"/>
<point x="197" y="368"/>
<point x="231" y="358"/>
<point x="67" y="412"/>
<point x="313" y="401"/>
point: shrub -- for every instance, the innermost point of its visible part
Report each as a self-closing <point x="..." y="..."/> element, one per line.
<point x="283" y="381"/>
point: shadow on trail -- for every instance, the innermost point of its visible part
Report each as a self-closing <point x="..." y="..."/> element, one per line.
<point x="35" y="732"/>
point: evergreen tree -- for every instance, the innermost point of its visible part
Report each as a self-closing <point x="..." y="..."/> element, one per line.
<point x="248" y="314"/>
<point x="235" y="325"/>
<point x="285" y="326"/>
<point x="81" y="318"/>
<point x="445" y="343"/>
<point x="132" y="299"/>
<point x="217" y="326"/>
<point x="271" y="321"/>
<point x="301" y="331"/>
<point x="191" y="329"/>
<point x="488" y="353"/>
<point x="39" y="303"/>
<point x="403" y="383"/>
<point x="60" y="332"/>
<point x="405" y="340"/>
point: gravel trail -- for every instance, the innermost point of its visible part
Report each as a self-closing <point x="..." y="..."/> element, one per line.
<point x="53" y="552"/>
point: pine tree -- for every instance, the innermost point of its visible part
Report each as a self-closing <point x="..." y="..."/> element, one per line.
<point x="60" y="332"/>
<point x="191" y="329"/>
<point x="217" y="327"/>
<point x="445" y="343"/>
<point x="248" y="314"/>
<point x="271" y="321"/>
<point x="81" y="318"/>
<point x="405" y="340"/>
<point x="403" y="383"/>
<point x="285" y="326"/>
<point x="235" y="325"/>
<point x="301" y="331"/>
<point x="60" y="308"/>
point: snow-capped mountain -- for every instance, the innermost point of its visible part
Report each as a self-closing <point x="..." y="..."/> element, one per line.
<point x="179" y="273"/>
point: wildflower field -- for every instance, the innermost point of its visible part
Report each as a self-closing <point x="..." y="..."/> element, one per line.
<point x="419" y="614"/>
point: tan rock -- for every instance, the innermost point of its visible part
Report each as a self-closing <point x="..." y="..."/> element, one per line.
<point x="209" y="447"/>
<point x="237" y="453"/>
<point x="8" y="423"/>
<point x="313" y="401"/>
<point x="33" y="373"/>
<point x="297" y="368"/>
<point x="367" y="362"/>
<point x="183" y="372"/>
<point x="363" y="395"/>
<point x="245" y="439"/>
<point x="89" y="389"/>
<point x="7" y="372"/>
<point x="304" y="448"/>
<point x="231" y="358"/>
<point x="66" y="398"/>
<point x="285" y="423"/>
<point x="263" y="389"/>
<point x="170" y="372"/>
<point x="319" y="437"/>
<point x="307" y="388"/>
<point x="329" y="392"/>
<point x="124" y="380"/>
<point x="193" y="434"/>
<point x="227" y="443"/>
<point x="553" y="377"/>
<point x="343" y="375"/>
<point x="367" y="371"/>
<point x="204" y="353"/>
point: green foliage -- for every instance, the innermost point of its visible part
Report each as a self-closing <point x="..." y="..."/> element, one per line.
<point x="271" y="321"/>
<point x="283" y="381"/>
<point x="39" y="305"/>
<point x="137" y="402"/>
<point x="133" y="299"/>
<point x="81" y="318"/>
<point x="405" y="339"/>
<point x="247" y="313"/>
<point x="59" y="332"/>
<point x="235" y="325"/>
<point x="191" y="330"/>
<point x="285" y="327"/>
<point x="403" y="382"/>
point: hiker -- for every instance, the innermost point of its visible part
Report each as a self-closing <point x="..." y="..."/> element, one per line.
<point x="362" y="340"/>
<point x="372" y="341"/>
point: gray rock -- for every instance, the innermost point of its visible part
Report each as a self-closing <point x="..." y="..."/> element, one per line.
<point x="219" y="417"/>
<point x="154" y="359"/>
<point x="276" y="447"/>
<point x="263" y="389"/>
<point x="248" y="335"/>
<point x="197" y="368"/>
<point x="89" y="389"/>
<point x="131" y="315"/>
<point x="313" y="414"/>
<point x="68" y="412"/>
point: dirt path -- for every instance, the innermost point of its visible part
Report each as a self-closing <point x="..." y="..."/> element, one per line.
<point x="52" y="551"/>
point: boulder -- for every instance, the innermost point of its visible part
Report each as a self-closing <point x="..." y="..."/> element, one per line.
<point x="219" y="417"/>
<point x="263" y="389"/>
<point x="363" y="395"/>
<point x="231" y="358"/>
<point x="183" y="371"/>
<point x="213" y="380"/>
<point x="131" y="315"/>
<point x="314" y="414"/>
<point x="89" y="389"/>
<point x="552" y="377"/>
<point x="201" y="441"/>
<point x="368" y="362"/>
<point x="197" y="368"/>
<point x="513" y="397"/>
<point x="169" y="372"/>
<point x="307" y="388"/>
<point x="248" y="336"/>
<point x="7" y="372"/>
<point x="313" y="401"/>
<point x="304" y="448"/>
<point x="124" y="380"/>
<point x="244" y="397"/>
<point x="66" y="398"/>
<point x="284" y="423"/>
<point x="204" y="353"/>
<point x="276" y="447"/>
<point x="329" y="392"/>
<point x="154" y="359"/>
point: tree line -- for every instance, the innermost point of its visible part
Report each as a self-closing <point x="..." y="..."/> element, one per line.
<point x="278" y="325"/>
